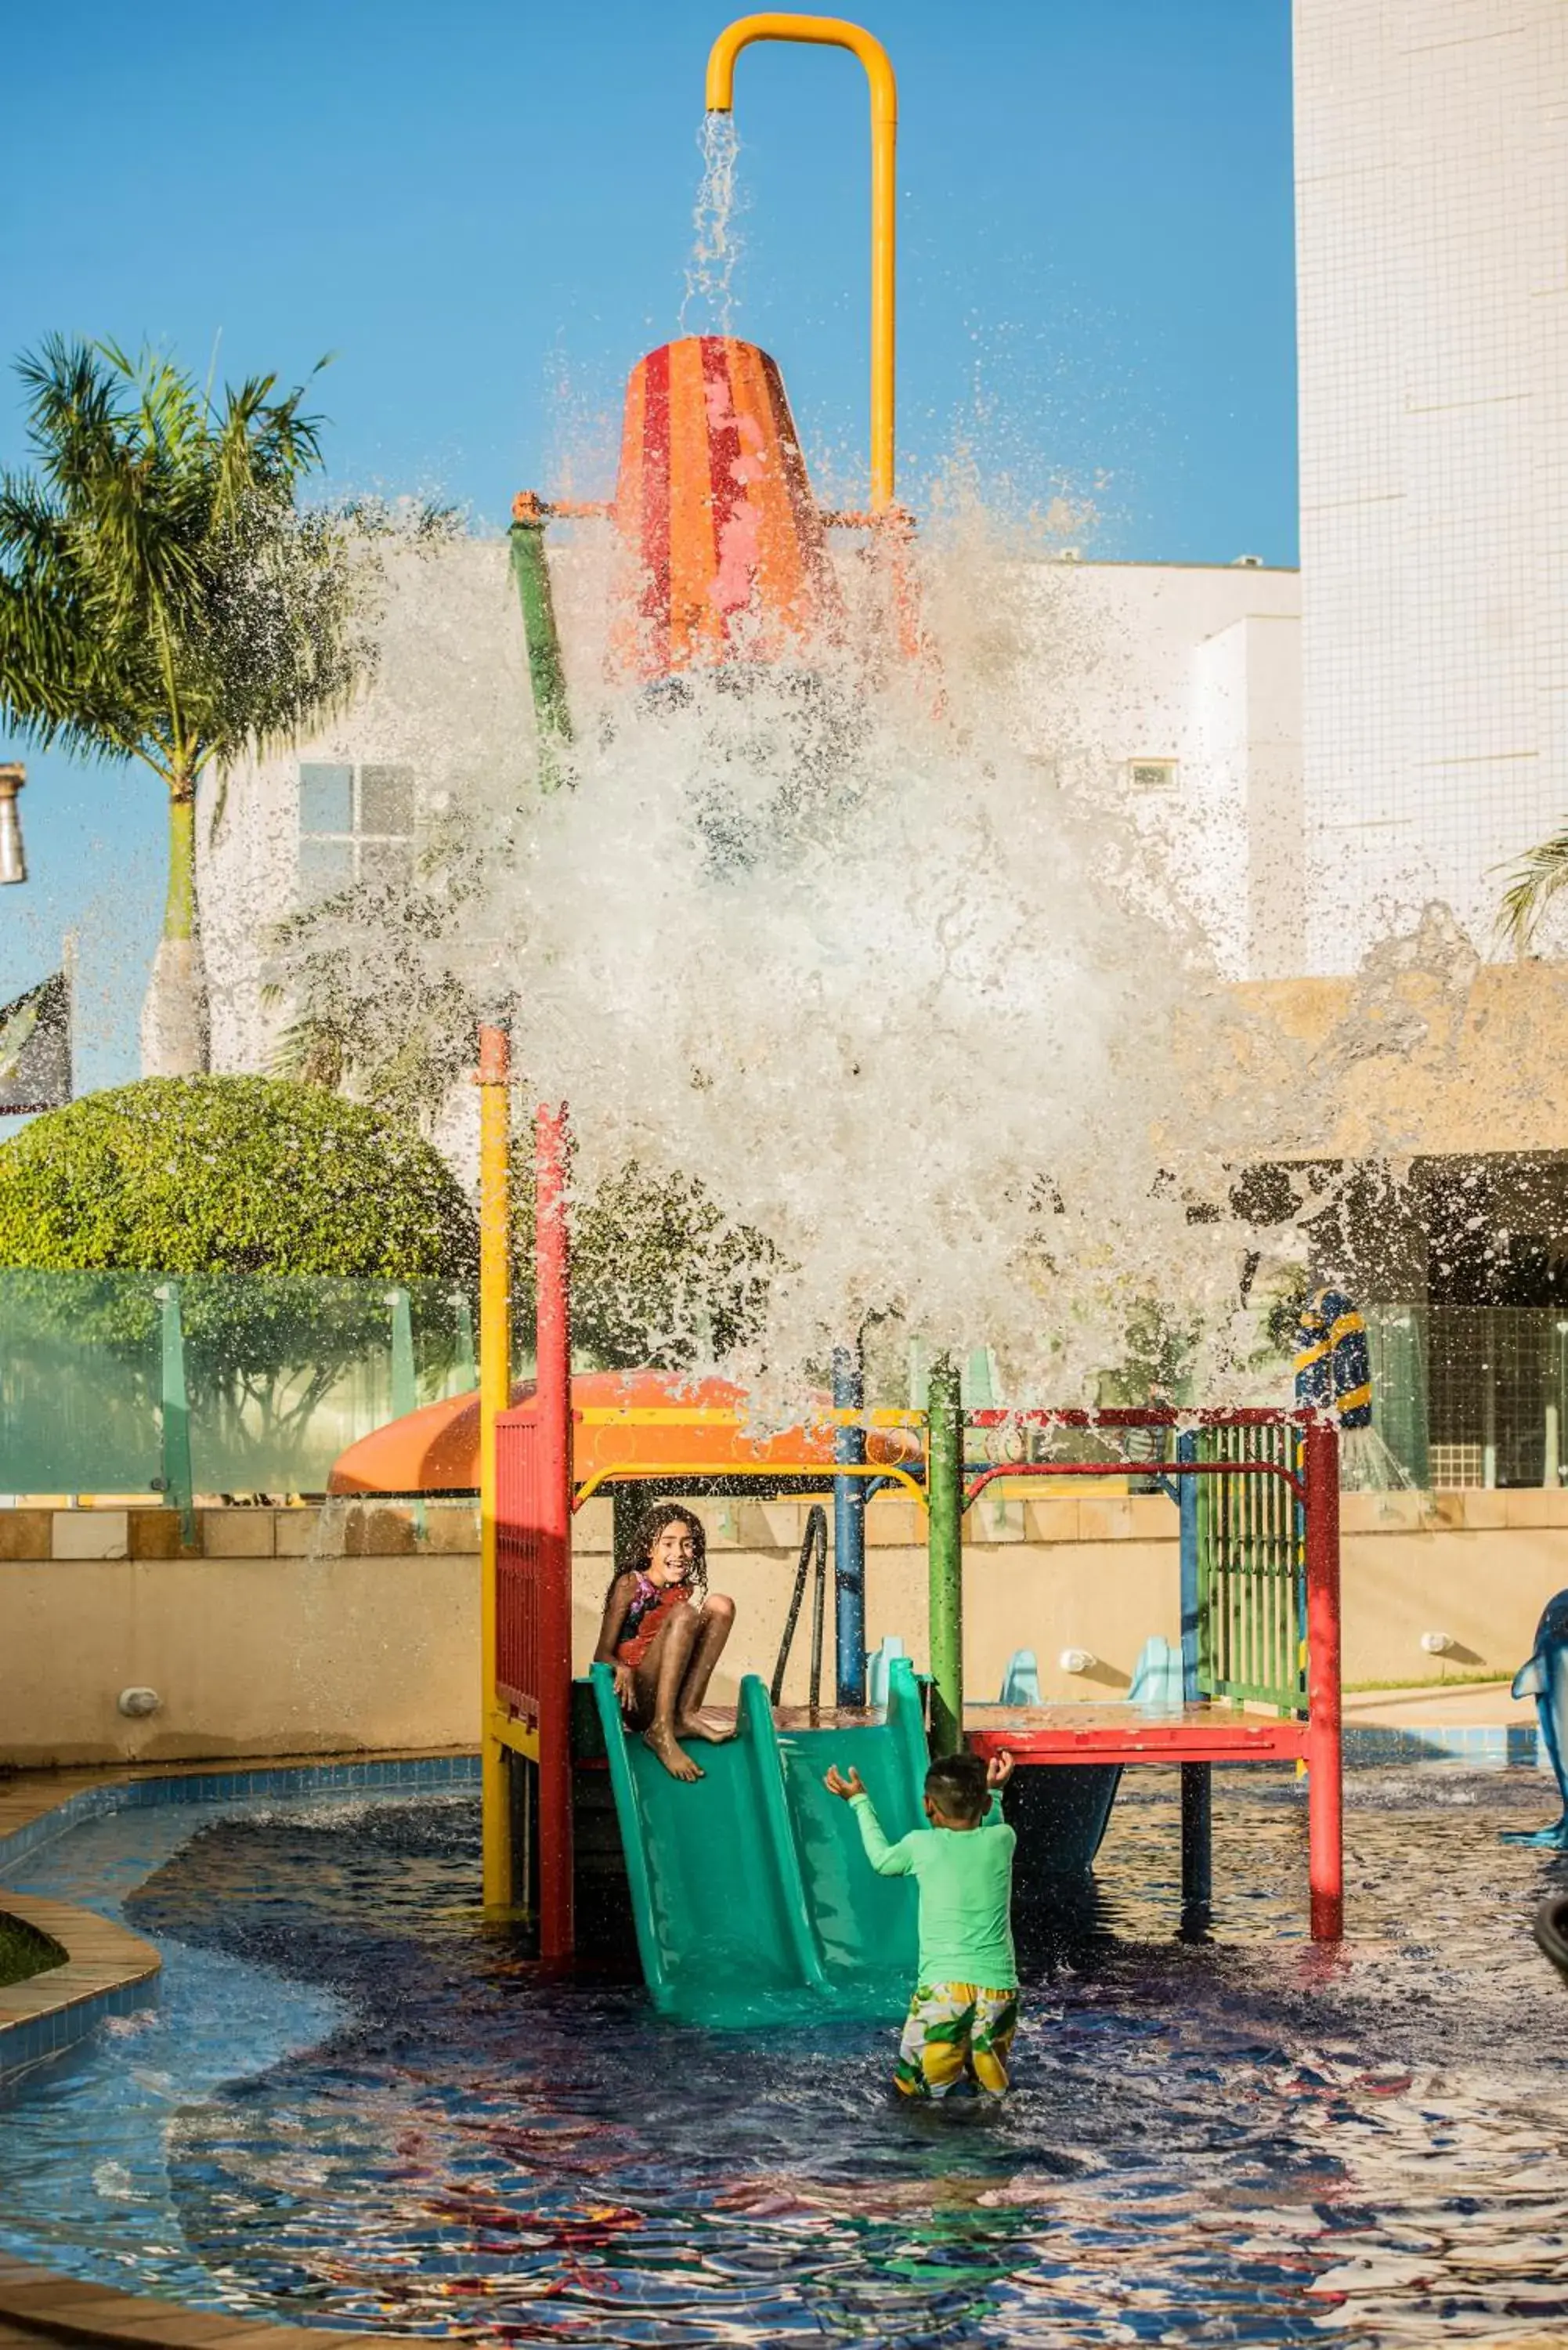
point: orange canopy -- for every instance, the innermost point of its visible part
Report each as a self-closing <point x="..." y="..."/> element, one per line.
<point x="436" y="1449"/>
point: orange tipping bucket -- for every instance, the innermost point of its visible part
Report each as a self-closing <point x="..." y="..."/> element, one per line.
<point x="717" y="514"/>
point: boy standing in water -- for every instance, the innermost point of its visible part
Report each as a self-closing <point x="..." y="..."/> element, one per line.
<point x="964" y="2011"/>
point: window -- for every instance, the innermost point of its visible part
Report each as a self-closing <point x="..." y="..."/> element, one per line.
<point x="1151" y="774"/>
<point x="356" y="824"/>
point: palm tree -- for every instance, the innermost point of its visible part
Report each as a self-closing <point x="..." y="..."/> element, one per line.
<point x="1538" y="876"/>
<point x="162" y="599"/>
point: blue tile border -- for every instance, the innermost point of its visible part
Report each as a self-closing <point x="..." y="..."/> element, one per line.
<point x="32" y="2039"/>
<point x="235" y="1786"/>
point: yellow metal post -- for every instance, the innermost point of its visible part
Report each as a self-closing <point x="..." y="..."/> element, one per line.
<point x="834" y="32"/>
<point x="494" y="1395"/>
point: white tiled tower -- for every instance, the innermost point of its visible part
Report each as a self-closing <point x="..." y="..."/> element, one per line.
<point x="1432" y="246"/>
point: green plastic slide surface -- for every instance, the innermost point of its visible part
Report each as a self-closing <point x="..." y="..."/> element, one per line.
<point x="753" y="1899"/>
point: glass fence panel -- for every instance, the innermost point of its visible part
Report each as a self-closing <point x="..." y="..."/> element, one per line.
<point x="115" y="1382"/>
<point x="80" y="1382"/>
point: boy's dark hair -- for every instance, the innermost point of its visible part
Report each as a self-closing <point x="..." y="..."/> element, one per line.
<point x="956" y="1786"/>
<point x="645" y="1533"/>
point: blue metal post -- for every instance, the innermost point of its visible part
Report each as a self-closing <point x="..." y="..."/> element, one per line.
<point x="849" y="1530"/>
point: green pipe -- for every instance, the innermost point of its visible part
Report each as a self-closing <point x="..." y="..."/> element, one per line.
<point x="944" y="1497"/>
<point x="546" y="677"/>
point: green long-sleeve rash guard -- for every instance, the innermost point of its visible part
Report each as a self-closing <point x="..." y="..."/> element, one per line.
<point x="965" y="1880"/>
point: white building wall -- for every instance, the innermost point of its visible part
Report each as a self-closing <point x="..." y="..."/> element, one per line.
<point x="1432" y="196"/>
<point x="1196" y="668"/>
<point x="450" y="702"/>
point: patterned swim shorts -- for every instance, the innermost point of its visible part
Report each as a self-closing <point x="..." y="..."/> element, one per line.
<point x="951" y="2029"/>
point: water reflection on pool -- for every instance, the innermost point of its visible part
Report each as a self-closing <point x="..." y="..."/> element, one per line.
<point x="354" y="2106"/>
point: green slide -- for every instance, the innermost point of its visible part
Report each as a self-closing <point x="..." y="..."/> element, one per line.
<point x="754" y="1902"/>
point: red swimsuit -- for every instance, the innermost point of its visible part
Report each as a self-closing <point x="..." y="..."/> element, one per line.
<point x="647" y="1618"/>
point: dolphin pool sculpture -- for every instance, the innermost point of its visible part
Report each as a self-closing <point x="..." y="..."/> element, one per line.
<point x="1545" y="1679"/>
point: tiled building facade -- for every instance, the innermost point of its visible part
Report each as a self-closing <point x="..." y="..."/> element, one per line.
<point x="1432" y="245"/>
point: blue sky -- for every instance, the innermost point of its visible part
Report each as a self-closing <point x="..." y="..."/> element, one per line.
<point x="485" y="213"/>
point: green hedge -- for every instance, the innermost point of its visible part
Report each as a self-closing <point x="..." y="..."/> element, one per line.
<point x="235" y="1175"/>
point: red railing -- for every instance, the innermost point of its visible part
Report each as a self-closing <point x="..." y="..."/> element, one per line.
<point x="519" y="1564"/>
<point x="1316" y="1488"/>
<point x="534" y="1549"/>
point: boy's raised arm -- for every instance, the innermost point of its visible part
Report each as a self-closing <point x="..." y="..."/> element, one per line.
<point x="887" y="1859"/>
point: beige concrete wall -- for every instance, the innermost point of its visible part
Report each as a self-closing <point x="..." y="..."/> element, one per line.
<point x="355" y="1628"/>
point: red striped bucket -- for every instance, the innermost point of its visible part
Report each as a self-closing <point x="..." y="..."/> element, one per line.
<point x="730" y="565"/>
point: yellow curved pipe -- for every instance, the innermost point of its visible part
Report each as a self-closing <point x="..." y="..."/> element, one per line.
<point x="835" y="32"/>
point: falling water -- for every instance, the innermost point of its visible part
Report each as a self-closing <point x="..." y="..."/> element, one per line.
<point x="904" y="1003"/>
<point x="715" y="248"/>
<point x="907" y="986"/>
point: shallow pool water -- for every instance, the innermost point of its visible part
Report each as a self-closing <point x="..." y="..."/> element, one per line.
<point x="354" y="2101"/>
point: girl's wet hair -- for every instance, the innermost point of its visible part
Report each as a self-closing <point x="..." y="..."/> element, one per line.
<point x="956" y="1786"/>
<point x="649" y="1527"/>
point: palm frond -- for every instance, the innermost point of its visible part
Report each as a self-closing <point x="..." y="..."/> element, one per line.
<point x="161" y="595"/>
<point x="1538" y="878"/>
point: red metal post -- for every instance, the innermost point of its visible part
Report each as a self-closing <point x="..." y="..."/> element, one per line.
<point x="553" y="1397"/>
<point x="1324" y="1755"/>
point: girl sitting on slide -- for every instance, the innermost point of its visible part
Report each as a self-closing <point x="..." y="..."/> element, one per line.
<point x="664" y="1632"/>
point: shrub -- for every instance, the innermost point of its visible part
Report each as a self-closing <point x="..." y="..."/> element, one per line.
<point x="285" y="1212"/>
<point x="235" y="1175"/>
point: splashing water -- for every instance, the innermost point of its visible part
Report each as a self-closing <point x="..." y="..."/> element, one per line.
<point x="902" y="1002"/>
<point x="916" y="997"/>
<point x="715" y="247"/>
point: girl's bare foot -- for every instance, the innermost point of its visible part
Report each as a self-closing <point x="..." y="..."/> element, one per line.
<point x="704" y="1726"/>
<point x="661" y="1742"/>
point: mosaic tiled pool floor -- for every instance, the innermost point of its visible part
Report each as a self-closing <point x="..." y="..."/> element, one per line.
<point x="353" y="2104"/>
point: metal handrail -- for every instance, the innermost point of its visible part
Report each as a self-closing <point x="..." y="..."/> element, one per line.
<point x="813" y="1543"/>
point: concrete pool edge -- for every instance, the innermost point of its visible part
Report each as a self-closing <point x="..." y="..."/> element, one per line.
<point x="39" y="2305"/>
<point x="109" y="1970"/>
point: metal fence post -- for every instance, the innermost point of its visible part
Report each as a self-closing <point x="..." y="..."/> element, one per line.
<point x="405" y="1386"/>
<point x="176" y="1409"/>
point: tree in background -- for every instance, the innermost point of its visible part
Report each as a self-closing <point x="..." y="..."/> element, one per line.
<point x="163" y="598"/>
<point x="228" y="1184"/>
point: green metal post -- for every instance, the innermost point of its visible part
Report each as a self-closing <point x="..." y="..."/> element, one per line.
<point x="546" y="677"/>
<point x="944" y="1495"/>
<point x="176" y="1414"/>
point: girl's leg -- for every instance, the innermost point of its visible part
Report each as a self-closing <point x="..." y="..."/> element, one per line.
<point x="660" y="1678"/>
<point x="714" y="1619"/>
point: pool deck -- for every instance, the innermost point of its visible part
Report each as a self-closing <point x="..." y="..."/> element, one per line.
<point x="36" y="2306"/>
